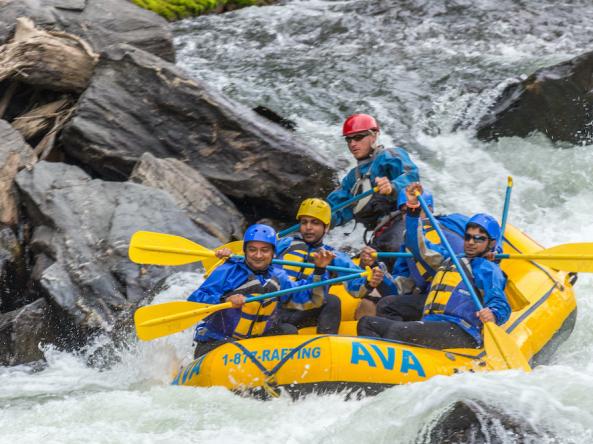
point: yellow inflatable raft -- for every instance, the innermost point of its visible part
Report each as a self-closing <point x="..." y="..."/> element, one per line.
<point x="544" y="312"/>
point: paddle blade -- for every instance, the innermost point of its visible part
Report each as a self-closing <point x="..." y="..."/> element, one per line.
<point x="501" y="351"/>
<point x="211" y="263"/>
<point x="147" y="247"/>
<point x="155" y="321"/>
<point x="576" y="257"/>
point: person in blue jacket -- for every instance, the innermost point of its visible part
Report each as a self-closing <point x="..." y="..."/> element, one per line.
<point x="451" y="319"/>
<point x="389" y="169"/>
<point x="404" y="291"/>
<point x="236" y="279"/>
<point x="314" y="216"/>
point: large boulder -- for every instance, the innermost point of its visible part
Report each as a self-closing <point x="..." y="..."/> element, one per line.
<point x="15" y="154"/>
<point x="23" y="330"/>
<point x="211" y="210"/>
<point x="137" y="102"/>
<point x="101" y="23"/>
<point x="556" y="101"/>
<point x="81" y="237"/>
<point x="477" y="422"/>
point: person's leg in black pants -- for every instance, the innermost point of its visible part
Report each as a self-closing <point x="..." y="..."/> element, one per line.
<point x="405" y="307"/>
<point x="432" y="334"/>
<point x="327" y="317"/>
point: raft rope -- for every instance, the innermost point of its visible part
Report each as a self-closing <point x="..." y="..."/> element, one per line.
<point x="270" y="384"/>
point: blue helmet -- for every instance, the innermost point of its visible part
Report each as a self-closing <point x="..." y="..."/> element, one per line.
<point x="402" y="198"/>
<point x="260" y="232"/>
<point x="488" y="223"/>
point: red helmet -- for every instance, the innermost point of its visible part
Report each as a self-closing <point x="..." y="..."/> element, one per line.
<point x="357" y="123"/>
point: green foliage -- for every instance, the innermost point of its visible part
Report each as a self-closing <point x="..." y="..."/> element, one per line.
<point x="179" y="9"/>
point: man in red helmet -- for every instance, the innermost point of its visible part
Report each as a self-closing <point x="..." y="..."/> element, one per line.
<point x="390" y="169"/>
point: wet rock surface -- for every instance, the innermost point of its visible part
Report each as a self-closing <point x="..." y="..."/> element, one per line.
<point x="15" y="154"/>
<point x="210" y="210"/>
<point x="477" y="422"/>
<point x="23" y="330"/>
<point x="137" y="102"/>
<point x="101" y="23"/>
<point x="556" y="101"/>
<point x="81" y="236"/>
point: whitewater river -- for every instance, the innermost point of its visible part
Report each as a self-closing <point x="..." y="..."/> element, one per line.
<point x="421" y="68"/>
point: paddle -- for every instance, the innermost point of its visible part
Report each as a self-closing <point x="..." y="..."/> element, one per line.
<point x="564" y="257"/>
<point x="155" y="321"/>
<point x="505" y="210"/>
<point x="344" y="204"/>
<point x="147" y="247"/>
<point x="500" y="349"/>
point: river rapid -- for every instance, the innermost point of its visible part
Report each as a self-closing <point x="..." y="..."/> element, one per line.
<point x="424" y="69"/>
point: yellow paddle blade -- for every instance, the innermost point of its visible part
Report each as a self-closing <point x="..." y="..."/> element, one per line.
<point x="502" y="352"/>
<point x="155" y="321"/>
<point x="211" y="263"/>
<point x="576" y="257"/>
<point x="147" y="247"/>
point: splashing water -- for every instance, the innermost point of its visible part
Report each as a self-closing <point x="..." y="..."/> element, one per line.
<point x="422" y="68"/>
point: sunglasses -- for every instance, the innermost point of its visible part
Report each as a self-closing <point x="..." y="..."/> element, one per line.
<point x="477" y="239"/>
<point x="356" y="137"/>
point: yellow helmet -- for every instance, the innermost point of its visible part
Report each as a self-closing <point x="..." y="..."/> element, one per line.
<point x="317" y="208"/>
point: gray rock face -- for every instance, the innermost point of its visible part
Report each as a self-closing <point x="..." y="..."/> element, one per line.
<point x="21" y="332"/>
<point x="13" y="272"/>
<point x="81" y="238"/>
<point x="477" y="422"/>
<point x="101" y="23"/>
<point x="557" y="101"/>
<point x="210" y="210"/>
<point x="137" y="103"/>
<point x="15" y="153"/>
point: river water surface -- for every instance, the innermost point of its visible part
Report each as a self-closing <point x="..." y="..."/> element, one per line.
<point x="423" y="68"/>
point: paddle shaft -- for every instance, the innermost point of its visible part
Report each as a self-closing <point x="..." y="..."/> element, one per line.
<point x="306" y="265"/>
<point x="447" y="245"/>
<point x="505" y="209"/>
<point x="391" y="254"/>
<point x="217" y="307"/>
<point x="542" y="256"/>
<point x="339" y="207"/>
<point x="310" y="265"/>
<point x="555" y="257"/>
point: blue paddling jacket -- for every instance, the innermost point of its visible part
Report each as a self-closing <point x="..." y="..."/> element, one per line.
<point x="449" y="299"/>
<point x="254" y="318"/>
<point x="393" y="163"/>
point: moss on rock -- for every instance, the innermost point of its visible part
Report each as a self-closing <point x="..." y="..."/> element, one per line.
<point x="179" y="9"/>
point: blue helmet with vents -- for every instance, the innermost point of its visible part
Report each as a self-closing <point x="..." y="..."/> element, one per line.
<point x="261" y="233"/>
<point x="488" y="223"/>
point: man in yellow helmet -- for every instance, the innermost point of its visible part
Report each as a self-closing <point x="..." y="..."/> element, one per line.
<point x="314" y="217"/>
